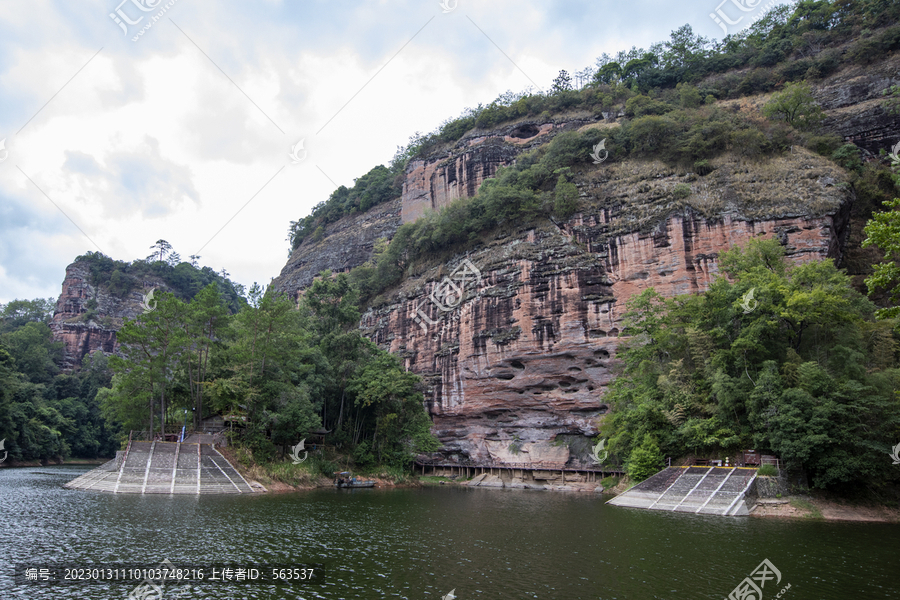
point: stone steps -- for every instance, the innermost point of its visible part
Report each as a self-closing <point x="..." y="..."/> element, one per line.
<point x="700" y="490"/>
<point x="166" y="468"/>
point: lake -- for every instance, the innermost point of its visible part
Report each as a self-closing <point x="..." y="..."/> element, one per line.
<point x="422" y="543"/>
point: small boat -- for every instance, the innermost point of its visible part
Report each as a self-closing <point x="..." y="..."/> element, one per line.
<point x="343" y="479"/>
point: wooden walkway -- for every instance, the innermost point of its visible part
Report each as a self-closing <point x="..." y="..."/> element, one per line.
<point x="471" y="469"/>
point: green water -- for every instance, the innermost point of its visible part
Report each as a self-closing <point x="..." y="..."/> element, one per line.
<point x="421" y="543"/>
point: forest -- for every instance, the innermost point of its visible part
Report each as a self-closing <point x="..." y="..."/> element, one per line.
<point x="784" y="357"/>
<point x="46" y="414"/>
<point x="285" y="369"/>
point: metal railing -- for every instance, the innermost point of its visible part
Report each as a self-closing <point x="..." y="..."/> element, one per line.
<point x="533" y="466"/>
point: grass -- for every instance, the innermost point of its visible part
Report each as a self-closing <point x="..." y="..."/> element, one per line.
<point x="809" y="507"/>
<point x="609" y="482"/>
<point x="767" y="471"/>
<point x="305" y="474"/>
<point x="394" y="474"/>
<point x="316" y="471"/>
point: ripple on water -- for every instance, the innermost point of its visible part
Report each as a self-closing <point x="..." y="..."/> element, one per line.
<point x="421" y="543"/>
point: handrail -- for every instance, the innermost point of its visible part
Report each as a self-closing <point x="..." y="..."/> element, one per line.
<point x="532" y="466"/>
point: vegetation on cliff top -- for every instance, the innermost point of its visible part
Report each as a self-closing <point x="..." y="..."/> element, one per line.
<point x="185" y="279"/>
<point x="791" y="43"/>
<point x="541" y="183"/>
<point x="776" y="357"/>
<point x="379" y="185"/>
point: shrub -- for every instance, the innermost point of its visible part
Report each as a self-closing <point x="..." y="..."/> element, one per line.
<point x="795" y="105"/>
<point x="567" y="149"/>
<point x="650" y="135"/>
<point x="644" y="105"/>
<point x="751" y="142"/>
<point x="681" y="191"/>
<point x="767" y="471"/>
<point x="824" y="145"/>
<point x="565" y="201"/>
<point x="707" y="138"/>
<point x="363" y="456"/>
<point x="794" y="69"/>
<point x="756" y="81"/>
<point x="828" y="62"/>
<point x="848" y="157"/>
<point x="609" y="482"/>
<point x="689" y="96"/>
<point x="702" y="167"/>
<point x="321" y="466"/>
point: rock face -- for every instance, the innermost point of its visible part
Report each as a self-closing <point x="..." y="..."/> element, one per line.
<point x="854" y="104"/>
<point x="518" y="367"/>
<point x="518" y="362"/>
<point x="430" y="184"/>
<point x="348" y="243"/>
<point x="440" y="179"/>
<point x="85" y="330"/>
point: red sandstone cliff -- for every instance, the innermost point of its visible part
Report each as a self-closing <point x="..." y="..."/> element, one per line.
<point x="85" y="330"/>
<point x="517" y="371"/>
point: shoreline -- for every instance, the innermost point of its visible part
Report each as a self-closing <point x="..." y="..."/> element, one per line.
<point x="790" y="507"/>
<point x="68" y="462"/>
<point x="820" y="509"/>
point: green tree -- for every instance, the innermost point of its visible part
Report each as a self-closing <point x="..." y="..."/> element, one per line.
<point x="779" y="356"/>
<point x="610" y="73"/>
<point x="161" y="249"/>
<point x="562" y="83"/>
<point x="391" y="406"/>
<point x="17" y="313"/>
<point x="565" y="198"/>
<point x="37" y="356"/>
<point x="883" y="230"/>
<point x="206" y="323"/>
<point x="684" y="48"/>
<point x="151" y="345"/>
<point x="796" y="105"/>
<point x="645" y="460"/>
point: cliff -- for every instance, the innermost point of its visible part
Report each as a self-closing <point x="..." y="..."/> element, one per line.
<point x="517" y="370"/>
<point x="517" y="345"/>
<point x="85" y="330"/>
<point x="347" y="243"/>
<point x="455" y="171"/>
<point x="458" y="171"/>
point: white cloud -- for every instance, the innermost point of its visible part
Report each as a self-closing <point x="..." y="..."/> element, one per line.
<point x="152" y="140"/>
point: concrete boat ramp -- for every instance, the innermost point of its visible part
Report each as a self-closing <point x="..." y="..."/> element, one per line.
<point x="166" y="468"/>
<point x="726" y="491"/>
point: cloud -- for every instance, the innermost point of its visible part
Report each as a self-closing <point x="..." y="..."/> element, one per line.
<point x="140" y="182"/>
<point x="176" y="134"/>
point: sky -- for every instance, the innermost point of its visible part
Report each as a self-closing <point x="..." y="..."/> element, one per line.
<point x="213" y="125"/>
